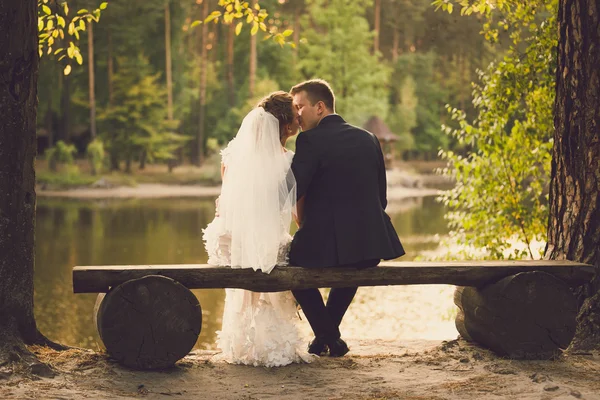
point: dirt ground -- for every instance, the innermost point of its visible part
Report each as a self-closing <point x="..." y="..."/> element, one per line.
<point x="373" y="369"/>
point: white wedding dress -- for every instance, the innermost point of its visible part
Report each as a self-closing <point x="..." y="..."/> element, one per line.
<point x="251" y="230"/>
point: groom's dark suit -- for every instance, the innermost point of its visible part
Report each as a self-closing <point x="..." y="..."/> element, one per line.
<point x="340" y="172"/>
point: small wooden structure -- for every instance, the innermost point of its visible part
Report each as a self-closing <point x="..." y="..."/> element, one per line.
<point x="519" y="309"/>
<point x="386" y="138"/>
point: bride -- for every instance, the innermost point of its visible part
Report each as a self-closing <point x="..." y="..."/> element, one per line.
<point x="251" y="230"/>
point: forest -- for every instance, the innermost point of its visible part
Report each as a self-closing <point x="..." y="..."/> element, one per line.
<point x="158" y="87"/>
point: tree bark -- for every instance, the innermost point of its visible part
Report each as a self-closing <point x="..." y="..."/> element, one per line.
<point x="92" y="80"/>
<point x="230" y="59"/>
<point x="19" y="64"/>
<point x="574" y="222"/>
<point x="203" y="76"/>
<point x="168" y="61"/>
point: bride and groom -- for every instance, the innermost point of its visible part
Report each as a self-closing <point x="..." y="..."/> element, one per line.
<point x="333" y="187"/>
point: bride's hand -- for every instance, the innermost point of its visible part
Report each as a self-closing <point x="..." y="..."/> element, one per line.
<point x="217" y="206"/>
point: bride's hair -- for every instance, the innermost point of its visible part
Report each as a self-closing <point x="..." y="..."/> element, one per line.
<point x="280" y="105"/>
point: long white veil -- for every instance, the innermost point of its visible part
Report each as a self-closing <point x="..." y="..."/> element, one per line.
<point x="258" y="196"/>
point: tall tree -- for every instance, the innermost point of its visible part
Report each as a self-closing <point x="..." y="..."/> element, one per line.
<point x="574" y="223"/>
<point x="92" y="80"/>
<point x="19" y="63"/>
<point x="377" y="26"/>
<point x="203" y="76"/>
<point x="230" y="59"/>
<point x="168" y="60"/>
<point x="253" y="56"/>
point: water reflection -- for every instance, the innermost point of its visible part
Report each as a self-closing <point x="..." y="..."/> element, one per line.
<point x="70" y="233"/>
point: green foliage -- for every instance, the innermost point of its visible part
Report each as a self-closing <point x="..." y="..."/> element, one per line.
<point x="501" y="190"/>
<point x="403" y="117"/>
<point x="416" y="117"/>
<point x="339" y="51"/>
<point x="227" y="128"/>
<point x="59" y="31"/>
<point x="61" y="153"/>
<point x="136" y="121"/>
<point x="95" y="154"/>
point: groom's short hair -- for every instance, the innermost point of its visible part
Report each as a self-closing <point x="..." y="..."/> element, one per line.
<point x="316" y="90"/>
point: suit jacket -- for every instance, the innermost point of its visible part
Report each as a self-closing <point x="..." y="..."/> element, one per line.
<point x="340" y="171"/>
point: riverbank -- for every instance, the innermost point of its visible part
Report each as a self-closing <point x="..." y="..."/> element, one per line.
<point x="189" y="181"/>
<point x="157" y="190"/>
<point x="374" y="369"/>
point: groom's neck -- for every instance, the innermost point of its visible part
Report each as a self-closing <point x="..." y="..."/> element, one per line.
<point x="326" y="114"/>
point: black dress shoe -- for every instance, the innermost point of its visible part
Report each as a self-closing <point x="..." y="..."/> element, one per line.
<point x="337" y="348"/>
<point x="318" y="346"/>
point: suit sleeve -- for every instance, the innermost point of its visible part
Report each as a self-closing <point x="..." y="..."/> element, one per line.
<point x="304" y="164"/>
<point x="382" y="178"/>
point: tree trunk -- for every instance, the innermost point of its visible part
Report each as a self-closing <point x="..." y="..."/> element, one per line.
<point x="230" y="59"/>
<point x="574" y="223"/>
<point x="377" y="26"/>
<point x="143" y="157"/>
<point x="64" y="132"/>
<point x="18" y="101"/>
<point x="168" y="61"/>
<point x="114" y="161"/>
<point x="252" y="72"/>
<point x="395" y="45"/>
<point x="92" y="80"/>
<point x="111" y="70"/>
<point x="203" y="76"/>
<point x="128" y="161"/>
<point x="297" y="13"/>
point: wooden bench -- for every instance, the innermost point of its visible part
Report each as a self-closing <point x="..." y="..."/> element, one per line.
<point x="519" y="309"/>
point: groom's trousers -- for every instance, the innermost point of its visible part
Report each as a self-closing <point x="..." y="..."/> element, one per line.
<point x="325" y="319"/>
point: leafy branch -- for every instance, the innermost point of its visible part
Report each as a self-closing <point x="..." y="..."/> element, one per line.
<point x="59" y="34"/>
<point x="254" y="16"/>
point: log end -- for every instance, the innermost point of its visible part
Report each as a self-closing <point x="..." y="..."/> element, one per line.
<point x="149" y="323"/>
<point x="530" y="315"/>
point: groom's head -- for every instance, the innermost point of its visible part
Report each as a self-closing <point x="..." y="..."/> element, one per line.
<point x="314" y="100"/>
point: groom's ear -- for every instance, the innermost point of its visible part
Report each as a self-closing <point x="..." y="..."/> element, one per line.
<point x="321" y="107"/>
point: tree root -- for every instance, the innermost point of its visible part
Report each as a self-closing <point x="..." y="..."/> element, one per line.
<point x="41" y="340"/>
<point x="587" y="336"/>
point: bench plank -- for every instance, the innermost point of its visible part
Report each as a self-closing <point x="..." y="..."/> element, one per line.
<point x="96" y="279"/>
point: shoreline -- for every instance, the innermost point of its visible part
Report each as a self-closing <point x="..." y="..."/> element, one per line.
<point x="158" y="190"/>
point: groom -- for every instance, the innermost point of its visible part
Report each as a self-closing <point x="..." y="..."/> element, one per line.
<point x="341" y="185"/>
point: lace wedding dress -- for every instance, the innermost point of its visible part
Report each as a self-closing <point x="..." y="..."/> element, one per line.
<point x="251" y="230"/>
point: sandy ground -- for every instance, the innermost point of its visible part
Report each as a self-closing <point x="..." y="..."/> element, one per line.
<point x="374" y="369"/>
<point x="162" y="191"/>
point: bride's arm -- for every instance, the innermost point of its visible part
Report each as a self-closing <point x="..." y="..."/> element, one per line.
<point x="299" y="211"/>
<point x="217" y="199"/>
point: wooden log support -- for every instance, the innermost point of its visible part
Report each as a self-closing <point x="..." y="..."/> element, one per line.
<point x="530" y="315"/>
<point x="149" y="323"/>
<point x="96" y="279"/>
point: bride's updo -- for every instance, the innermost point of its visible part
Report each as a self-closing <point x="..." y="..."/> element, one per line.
<point x="280" y="105"/>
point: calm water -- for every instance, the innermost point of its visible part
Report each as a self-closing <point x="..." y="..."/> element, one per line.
<point x="168" y="231"/>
